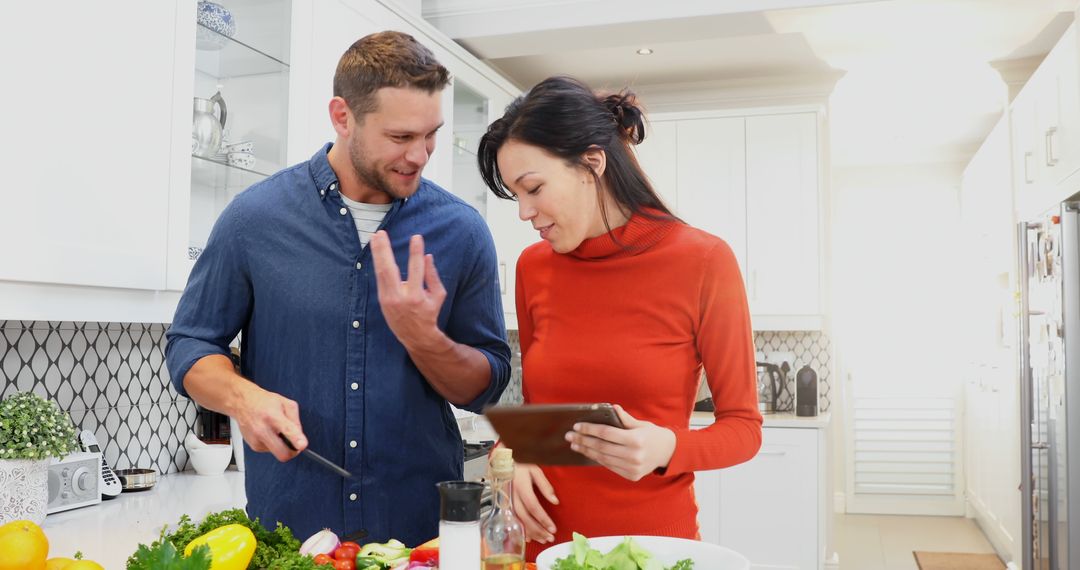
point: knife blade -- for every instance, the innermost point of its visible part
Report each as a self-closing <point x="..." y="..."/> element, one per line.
<point x="322" y="461"/>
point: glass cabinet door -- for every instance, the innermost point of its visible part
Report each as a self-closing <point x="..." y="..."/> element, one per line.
<point x="470" y="122"/>
<point x="240" y="110"/>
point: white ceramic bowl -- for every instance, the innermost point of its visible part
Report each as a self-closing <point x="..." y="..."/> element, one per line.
<point x="242" y="159"/>
<point x="211" y="459"/>
<point x="706" y="555"/>
<point x="239" y="146"/>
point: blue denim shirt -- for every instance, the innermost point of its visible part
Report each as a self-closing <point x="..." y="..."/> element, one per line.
<point x="284" y="266"/>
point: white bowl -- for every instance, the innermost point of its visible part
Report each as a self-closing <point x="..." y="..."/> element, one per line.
<point x="241" y="159"/>
<point x="239" y="146"/>
<point x="210" y="460"/>
<point x="706" y="555"/>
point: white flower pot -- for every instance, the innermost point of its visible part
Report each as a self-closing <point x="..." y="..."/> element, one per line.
<point x="24" y="489"/>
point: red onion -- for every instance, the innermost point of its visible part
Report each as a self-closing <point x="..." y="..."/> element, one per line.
<point x="322" y="542"/>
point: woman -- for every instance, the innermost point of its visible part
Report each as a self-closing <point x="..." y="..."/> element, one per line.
<point x="621" y="302"/>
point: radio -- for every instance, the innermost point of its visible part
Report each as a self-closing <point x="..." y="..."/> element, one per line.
<point x="74" y="481"/>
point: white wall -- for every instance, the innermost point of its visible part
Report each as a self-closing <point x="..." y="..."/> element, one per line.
<point x="895" y="281"/>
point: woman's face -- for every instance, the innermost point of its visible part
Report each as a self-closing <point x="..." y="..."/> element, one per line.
<point x="558" y="199"/>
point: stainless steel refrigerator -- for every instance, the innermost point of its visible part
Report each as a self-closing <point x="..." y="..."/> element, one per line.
<point x="1050" y="388"/>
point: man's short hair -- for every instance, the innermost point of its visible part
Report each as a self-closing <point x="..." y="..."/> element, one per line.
<point x="385" y="59"/>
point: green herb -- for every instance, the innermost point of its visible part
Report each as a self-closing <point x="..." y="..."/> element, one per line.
<point x="628" y="555"/>
<point x="275" y="549"/>
<point x="32" y="427"/>
<point x="164" y="556"/>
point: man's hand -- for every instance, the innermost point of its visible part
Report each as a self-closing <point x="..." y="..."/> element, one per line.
<point x="632" y="453"/>
<point x="411" y="309"/>
<point x="263" y="416"/>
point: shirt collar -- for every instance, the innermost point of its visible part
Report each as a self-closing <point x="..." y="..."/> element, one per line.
<point x="326" y="180"/>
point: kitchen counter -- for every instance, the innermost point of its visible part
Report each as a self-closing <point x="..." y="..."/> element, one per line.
<point x="775" y="420"/>
<point x="111" y="532"/>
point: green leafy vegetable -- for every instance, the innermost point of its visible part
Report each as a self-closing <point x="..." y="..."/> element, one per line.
<point x="164" y="556"/>
<point x="628" y="555"/>
<point x="275" y="549"/>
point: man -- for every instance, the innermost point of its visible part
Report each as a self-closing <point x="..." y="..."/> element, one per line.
<point x="343" y="350"/>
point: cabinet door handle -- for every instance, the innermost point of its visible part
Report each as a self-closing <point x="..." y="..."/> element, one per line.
<point x="753" y="284"/>
<point x="1051" y="133"/>
<point x="1027" y="168"/>
<point x="502" y="277"/>
<point x="773" y="452"/>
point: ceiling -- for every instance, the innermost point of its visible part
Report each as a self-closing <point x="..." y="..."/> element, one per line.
<point x="909" y="81"/>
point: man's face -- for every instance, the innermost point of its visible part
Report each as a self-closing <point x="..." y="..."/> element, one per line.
<point x="390" y="146"/>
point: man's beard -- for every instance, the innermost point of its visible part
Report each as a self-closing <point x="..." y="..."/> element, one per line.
<point x="369" y="175"/>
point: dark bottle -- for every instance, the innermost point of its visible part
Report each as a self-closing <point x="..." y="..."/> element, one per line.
<point x="806" y="392"/>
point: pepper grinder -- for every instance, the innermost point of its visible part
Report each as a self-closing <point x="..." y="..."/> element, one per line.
<point x="806" y="388"/>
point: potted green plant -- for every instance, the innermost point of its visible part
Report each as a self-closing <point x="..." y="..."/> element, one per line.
<point x="32" y="429"/>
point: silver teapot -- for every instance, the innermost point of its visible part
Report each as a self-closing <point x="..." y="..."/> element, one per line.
<point x="206" y="127"/>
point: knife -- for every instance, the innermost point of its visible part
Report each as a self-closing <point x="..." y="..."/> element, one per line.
<point x="322" y="461"/>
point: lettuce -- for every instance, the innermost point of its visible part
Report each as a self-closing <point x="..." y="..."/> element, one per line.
<point x="628" y="555"/>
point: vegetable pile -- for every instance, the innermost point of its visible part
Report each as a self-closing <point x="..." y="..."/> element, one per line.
<point x="628" y="555"/>
<point x="227" y="537"/>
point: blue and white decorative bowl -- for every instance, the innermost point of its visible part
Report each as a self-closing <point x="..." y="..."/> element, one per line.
<point x="213" y="18"/>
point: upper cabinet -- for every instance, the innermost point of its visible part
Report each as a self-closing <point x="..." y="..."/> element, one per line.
<point x="86" y="108"/>
<point x="133" y="137"/>
<point x="755" y="181"/>
<point x="234" y="69"/>
<point x="1045" y="125"/>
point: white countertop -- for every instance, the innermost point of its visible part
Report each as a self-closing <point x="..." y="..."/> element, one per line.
<point x="778" y="420"/>
<point x="111" y="532"/>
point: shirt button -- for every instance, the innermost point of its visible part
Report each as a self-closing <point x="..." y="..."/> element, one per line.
<point x="355" y="386"/>
<point x="359" y="265"/>
<point x="344" y="211"/>
<point x="356" y="324"/>
<point x="333" y="186"/>
<point x="352" y="497"/>
<point x="352" y="443"/>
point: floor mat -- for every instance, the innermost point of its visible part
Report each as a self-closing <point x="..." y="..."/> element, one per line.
<point x="957" y="561"/>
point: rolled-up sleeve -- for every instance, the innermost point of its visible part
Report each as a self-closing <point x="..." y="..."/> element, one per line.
<point x="216" y="302"/>
<point x="477" y="317"/>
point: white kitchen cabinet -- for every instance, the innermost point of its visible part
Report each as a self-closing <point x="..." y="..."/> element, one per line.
<point x="783" y="244"/>
<point x="755" y="181"/>
<point x="711" y="166"/>
<point x="772" y="507"/>
<point x="658" y="157"/>
<point x="1045" y="121"/>
<point x="86" y="108"/>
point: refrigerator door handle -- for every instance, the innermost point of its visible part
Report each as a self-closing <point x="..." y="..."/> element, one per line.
<point x="1027" y="512"/>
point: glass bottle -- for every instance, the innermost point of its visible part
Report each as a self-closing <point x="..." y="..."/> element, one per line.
<point x="502" y="538"/>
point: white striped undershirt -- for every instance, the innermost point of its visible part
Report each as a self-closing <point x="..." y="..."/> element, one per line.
<point x="367" y="217"/>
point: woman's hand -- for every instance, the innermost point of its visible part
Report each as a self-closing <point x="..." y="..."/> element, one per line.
<point x="528" y="479"/>
<point x="633" y="452"/>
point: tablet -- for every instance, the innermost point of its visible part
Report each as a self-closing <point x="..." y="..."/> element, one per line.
<point x="537" y="432"/>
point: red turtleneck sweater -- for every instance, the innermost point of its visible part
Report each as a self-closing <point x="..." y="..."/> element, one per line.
<point x="634" y="326"/>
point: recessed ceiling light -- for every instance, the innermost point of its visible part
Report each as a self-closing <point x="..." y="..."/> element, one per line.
<point x="644" y="51"/>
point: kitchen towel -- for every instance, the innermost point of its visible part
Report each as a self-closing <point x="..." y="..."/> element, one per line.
<point x="957" y="561"/>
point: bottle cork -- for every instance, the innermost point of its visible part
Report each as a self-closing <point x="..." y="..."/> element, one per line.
<point x="502" y="463"/>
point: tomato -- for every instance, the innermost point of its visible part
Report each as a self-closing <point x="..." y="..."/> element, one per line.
<point x="350" y="544"/>
<point x="344" y="564"/>
<point x="321" y="559"/>
<point x="347" y="551"/>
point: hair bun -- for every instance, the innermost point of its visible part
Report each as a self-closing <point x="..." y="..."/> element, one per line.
<point x="628" y="116"/>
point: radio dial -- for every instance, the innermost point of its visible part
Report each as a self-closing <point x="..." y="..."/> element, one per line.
<point x="82" y="480"/>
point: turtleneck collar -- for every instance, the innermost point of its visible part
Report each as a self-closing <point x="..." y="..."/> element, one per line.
<point x="638" y="234"/>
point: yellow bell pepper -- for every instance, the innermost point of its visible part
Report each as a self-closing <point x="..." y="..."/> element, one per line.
<point x="231" y="547"/>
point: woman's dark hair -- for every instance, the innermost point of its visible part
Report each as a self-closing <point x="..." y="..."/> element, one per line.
<point x="564" y="117"/>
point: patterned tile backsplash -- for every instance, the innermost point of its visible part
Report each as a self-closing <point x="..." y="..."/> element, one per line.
<point x="809" y="348"/>
<point x="111" y="378"/>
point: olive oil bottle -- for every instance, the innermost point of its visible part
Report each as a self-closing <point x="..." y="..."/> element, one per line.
<point x="502" y="538"/>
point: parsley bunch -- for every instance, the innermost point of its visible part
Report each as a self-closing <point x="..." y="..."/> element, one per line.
<point x="32" y="427"/>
